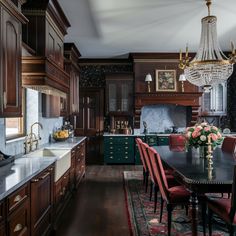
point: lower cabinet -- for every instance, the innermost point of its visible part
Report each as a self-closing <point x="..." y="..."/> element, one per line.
<point x="18" y="212"/>
<point x="79" y="163"/>
<point x="42" y="202"/>
<point x="62" y="193"/>
<point x="119" y="150"/>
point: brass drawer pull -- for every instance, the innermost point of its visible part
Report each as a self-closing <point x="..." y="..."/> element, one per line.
<point x="111" y="152"/>
<point x="17" y="198"/>
<point x="126" y="142"/>
<point x="111" y="157"/>
<point x="18" y="227"/>
<point x="35" y="180"/>
<point x="126" y="147"/>
<point x="111" y="147"/>
<point x="126" y="157"/>
<point x="45" y="175"/>
<point x="111" y="143"/>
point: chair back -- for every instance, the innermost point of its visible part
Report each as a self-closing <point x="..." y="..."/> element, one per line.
<point x="229" y="144"/>
<point x="144" y="148"/>
<point x="158" y="172"/>
<point x="139" y="141"/>
<point x="177" y="140"/>
<point x="233" y="197"/>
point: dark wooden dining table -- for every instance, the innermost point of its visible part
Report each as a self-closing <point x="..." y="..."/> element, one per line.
<point x="192" y="171"/>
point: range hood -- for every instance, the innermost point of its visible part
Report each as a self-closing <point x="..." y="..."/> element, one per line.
<point x="43" y="75"/>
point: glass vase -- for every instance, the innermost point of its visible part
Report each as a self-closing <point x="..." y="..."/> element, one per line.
<point x="203" y="151"/>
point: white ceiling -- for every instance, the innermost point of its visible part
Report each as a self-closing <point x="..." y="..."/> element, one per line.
<point x="113" y="28"/>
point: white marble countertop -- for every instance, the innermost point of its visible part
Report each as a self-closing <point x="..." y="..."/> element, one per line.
<point x="24" y="168"/>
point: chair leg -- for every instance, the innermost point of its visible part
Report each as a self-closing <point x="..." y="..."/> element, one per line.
<point x="144" y="177"/>
<point x="169" y="212"/>
<point x="146" y="188"/>
<point x="231" y="230"/>
<point x="155" y="197"/>
<point x="151" y="188"/>
<point x="203" y="217"/>
<point x="210" y="213"/>
<point x="161" y="210"/>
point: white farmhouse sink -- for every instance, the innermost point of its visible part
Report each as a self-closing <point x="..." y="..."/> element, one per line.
<point x="63" y="161"/>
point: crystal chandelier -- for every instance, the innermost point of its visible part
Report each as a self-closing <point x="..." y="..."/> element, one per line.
<point x="210" y="66"/>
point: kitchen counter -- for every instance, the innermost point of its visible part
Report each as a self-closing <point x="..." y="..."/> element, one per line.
<point x="68" y="144"/>
<point x="134" y="135"/>
<point x="24" y="168"/>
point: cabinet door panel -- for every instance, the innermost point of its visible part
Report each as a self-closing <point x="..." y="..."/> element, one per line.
<point x="41" y="198"/>
<point x="11" y="65"/>
<point x="18" y="222"/>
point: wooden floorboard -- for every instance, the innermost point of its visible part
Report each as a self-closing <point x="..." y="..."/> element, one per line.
<point x="98" y="207"/>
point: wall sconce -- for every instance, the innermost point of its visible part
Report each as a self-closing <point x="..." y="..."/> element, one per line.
<point x="182" y="78"/>
<point x="148" y="79"/>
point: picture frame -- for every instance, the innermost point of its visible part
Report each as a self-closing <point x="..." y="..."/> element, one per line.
<point x="166" y="81"/>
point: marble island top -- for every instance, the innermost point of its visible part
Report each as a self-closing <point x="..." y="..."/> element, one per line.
<point x="24" y="168"/>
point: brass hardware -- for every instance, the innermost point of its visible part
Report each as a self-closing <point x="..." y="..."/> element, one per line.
<point x="32" y="138"/>
<point x="44" y="176"/>
<point x="126" y="157"/>
<point x="111" y="143"/>
<point x="18" y="227"/>
<point x="111" y="157"/>
<point x="35" y="180"/>
<point x="5" y="99"/>
<point x="64" y="177"/>
<point x="17" y="198"/>
<point x="126" y="142"/>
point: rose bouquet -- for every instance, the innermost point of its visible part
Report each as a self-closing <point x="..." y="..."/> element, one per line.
<point x="199" y="135"/>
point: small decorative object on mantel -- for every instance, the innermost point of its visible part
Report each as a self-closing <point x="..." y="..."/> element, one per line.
<point x="198" y="137"/>
<point x="166" y="80"/>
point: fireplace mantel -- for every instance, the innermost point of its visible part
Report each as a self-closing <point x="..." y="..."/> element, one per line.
<point x="176" y="98"/>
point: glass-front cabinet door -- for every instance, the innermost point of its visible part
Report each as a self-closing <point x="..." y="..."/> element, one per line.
<point x="215" y="102"/>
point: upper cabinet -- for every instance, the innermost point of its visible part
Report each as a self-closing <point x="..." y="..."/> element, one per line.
<point x="119" y="93"/>
<point x="215" y="102"/>
<point x="10" y="59"/>
<point x="45" y="33"/>
<point x="72" y="54"/>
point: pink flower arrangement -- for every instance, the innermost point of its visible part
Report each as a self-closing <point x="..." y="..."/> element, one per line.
<point x="199" y="135"/>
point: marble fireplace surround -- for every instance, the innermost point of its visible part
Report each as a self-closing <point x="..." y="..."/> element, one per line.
<point x="190" y="100"/>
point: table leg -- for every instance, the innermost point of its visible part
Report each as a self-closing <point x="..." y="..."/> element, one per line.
<point x="194" y="212"/>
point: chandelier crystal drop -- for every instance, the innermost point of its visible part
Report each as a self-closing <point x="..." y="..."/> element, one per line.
<point x="210" y="66"/>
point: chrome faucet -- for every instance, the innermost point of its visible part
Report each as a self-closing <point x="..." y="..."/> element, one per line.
<point x="32" y="138"/>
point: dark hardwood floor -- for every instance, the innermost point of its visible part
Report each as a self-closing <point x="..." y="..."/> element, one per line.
<point x="98" y="207"/>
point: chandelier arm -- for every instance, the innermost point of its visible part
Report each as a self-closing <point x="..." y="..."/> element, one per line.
<point x="208" y="3"/>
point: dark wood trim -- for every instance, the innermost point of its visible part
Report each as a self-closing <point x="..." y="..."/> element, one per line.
<point x="103" y="61"/>
<point x="12" y="9"/>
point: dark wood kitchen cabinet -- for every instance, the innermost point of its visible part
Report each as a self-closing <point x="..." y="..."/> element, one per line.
<point x="18" y="212"/>
<point x="80" y="163"/>
<point x="90" y="123"/>
<point x="119" y="93"/>
<point x="2" y="218"/>
<point x="72" y="55"/>
<point x="10" y="59"/>
<point x="42" y="202"/>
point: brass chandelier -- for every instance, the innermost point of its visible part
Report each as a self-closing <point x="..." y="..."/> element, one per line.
<point x="210" y="65"/>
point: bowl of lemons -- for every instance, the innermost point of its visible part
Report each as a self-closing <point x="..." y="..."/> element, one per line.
<point x="61" y="135"/>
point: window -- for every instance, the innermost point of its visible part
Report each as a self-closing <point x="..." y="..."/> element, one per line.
<point x="15" y="127"/>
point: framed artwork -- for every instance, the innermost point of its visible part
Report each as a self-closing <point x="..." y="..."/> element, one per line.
<point x="166" y="80"/>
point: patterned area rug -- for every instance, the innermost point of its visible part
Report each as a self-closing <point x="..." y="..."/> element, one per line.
<point x="144" y="222"/>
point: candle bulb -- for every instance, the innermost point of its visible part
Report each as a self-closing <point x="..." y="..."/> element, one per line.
<point x="186" y="55"/>
<point x="180" y="55"/>
<point x="233" y="47"/>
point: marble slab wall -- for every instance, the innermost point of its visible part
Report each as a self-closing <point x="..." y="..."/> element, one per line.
<point x="33" y="114"/>
<point x="160" y="118"/>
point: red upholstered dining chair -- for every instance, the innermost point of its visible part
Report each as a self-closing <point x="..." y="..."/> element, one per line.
<point x="177" y="140"/>
<point x="144" y="164"/>
<point x="229" y="144"/>
<point x="153" y="183"/>
<point x="224" y="208"/>
<point x="173" y="196"/>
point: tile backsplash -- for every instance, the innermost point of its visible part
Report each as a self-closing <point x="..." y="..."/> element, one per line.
<point x="159" y="118"/>
<point x="34" y="114"/>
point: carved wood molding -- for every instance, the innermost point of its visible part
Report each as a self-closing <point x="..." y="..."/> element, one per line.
<point x="175" y="98"/>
